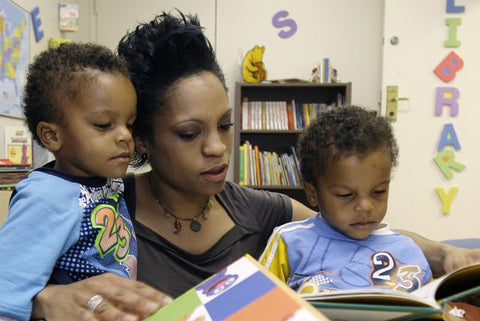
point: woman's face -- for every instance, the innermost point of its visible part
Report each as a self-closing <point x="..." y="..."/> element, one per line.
<point x="192" y="139"/>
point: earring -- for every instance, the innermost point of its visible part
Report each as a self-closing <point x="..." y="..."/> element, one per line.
<point x="144" y="156"/>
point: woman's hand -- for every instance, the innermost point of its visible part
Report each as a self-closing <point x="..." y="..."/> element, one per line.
<point x="456" y="257"/>
<point x="443" y="258"/>
<point x="123" y="299"/>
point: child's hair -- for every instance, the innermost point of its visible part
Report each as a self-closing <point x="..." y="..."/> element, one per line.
<point x="57" y="75"/>
<point x="159" y="54"/>
<point x="342" y="131"/>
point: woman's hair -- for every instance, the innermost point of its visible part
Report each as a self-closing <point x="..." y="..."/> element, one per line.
<point x="159" y="54"/>
<point x="343" y="131"/>
<point x="58" y="75"/>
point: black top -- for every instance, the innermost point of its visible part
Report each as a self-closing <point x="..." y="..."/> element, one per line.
<point x="173" y="271"/>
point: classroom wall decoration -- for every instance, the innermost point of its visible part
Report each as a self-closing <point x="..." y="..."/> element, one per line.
<point x="253" y="69"/>
<point x="37" y="22"/>
<point x="446" y="71"/>
<point x="289" y="26"/>
<point x="14" y="56"/>
<point x="68" y="16"/>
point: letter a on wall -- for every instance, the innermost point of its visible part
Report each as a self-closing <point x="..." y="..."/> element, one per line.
<point x="448" y="137"/>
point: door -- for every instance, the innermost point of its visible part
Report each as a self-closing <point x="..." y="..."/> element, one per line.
<point x="414" y="45"/>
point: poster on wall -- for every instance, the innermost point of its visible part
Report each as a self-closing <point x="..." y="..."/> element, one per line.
<point x="14" y="56"/>
<point x="69" y="19"/>
<point x="18" y="145"/>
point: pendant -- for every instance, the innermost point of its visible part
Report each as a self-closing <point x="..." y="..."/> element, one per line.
<point x="195" y="225"/>
<point x="177" y="227"/>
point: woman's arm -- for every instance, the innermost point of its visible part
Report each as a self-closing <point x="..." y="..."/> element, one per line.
<point x="300" y="211"/>
<point x="124" y="299"/>
<point x="443" y="257"/>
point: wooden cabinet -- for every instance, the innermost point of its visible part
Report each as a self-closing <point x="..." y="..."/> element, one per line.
<point x="261" y="119"/>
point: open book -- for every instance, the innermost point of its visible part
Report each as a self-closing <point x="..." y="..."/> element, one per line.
<point x="244" y="290"/>
<point x="382" y="304"/>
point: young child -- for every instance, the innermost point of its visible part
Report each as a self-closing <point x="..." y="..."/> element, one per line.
<point x="68" y="221"/>
<point x="346" y="157"/>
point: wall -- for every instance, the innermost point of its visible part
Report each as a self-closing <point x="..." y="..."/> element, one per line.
<point x="414" y="203"/>
<point x="49" y="16"/>
<point x="348" y="32"/>
<point x="233" y="27"/>
<point x="115" y="17"/>
<point x="49" y="26"/>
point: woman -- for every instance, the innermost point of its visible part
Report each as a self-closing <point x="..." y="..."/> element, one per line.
<point x="189" y="221"/>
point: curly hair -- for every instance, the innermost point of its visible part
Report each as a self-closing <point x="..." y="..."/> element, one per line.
<point x="341" y="131"/>
<point x="159" y="54"/>
<point x="58" y="75"/>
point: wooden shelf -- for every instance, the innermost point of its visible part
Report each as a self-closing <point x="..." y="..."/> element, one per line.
<point x="280" y="141"/>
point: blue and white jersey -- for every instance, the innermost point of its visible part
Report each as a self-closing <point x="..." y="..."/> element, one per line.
<point x="62" y="226"/>
<point x="312" y="257"/>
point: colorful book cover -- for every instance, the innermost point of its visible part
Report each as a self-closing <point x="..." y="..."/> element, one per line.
<point x="18" y="145"/>
<point x="244" y="290"/>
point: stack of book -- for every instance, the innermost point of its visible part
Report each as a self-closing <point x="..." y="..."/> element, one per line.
<point x="282" y="115"/>
<point x="266" y="168"/>
<point x="11" y="173"/>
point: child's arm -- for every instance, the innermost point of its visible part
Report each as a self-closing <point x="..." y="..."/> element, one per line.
<point x="275" y="257"/>
<point x="38" y="229"/>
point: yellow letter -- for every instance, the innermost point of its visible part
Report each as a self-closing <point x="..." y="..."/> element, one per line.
<point x="446" y="198"/>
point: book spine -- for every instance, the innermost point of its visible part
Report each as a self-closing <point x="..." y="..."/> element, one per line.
<point x="290" y="116"/>
<point x="241" y="169"/>
<point x="306" y="115"/>
<point x="263" y="115"/>
<point x="246" y="165"/>
<point x="258" y="180"/>
<point x="296" y="162"/>
<point x="244" y="114"/>
<point x="294" y="114"/>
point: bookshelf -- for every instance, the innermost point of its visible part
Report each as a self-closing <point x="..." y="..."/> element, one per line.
<point x="262" y="120"/>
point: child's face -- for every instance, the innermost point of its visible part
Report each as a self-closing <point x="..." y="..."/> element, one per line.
<point x="353" y="194"/>
<point x="96" y="137"/>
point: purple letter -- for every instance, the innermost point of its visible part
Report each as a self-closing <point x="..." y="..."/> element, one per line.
<point x="279" y="22"/>
<point x="447" y="96"/>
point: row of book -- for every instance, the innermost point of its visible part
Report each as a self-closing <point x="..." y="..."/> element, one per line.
<point x="11" y="173"/>
<point x="265" y="168"/>
<point x="281" y="115"/>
